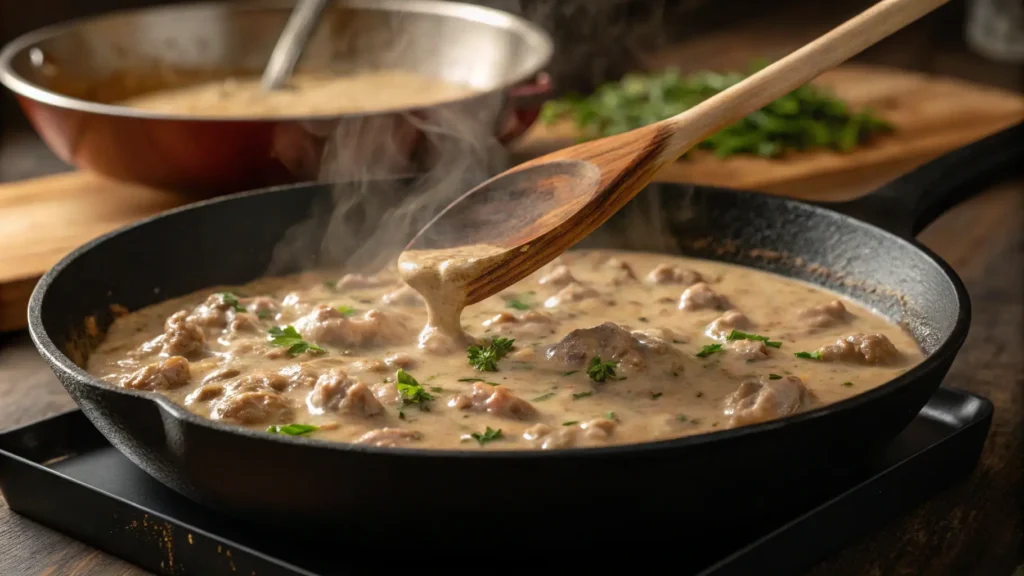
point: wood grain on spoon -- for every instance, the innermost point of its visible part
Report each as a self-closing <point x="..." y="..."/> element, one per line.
<point x="541" y="208"/>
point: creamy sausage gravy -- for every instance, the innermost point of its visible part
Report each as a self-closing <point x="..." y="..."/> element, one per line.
<point x="306" y="94"/>
<point x="597" y="348"/>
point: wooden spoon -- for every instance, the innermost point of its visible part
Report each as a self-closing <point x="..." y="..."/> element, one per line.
<point x="525" y="217"/>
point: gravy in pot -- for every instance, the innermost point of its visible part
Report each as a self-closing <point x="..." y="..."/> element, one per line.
<point x="597" y="348"/>
<point x="305" y="94"/>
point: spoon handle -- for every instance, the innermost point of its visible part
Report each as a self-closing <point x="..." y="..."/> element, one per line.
<point x="292" y="42"/>
<point x="796" y="69"/>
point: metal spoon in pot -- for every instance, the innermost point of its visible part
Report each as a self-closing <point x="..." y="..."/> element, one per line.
<point x="508" y="227"/>
<point x="292" y="42"/>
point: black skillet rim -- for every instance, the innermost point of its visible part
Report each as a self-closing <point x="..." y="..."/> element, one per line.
<point x="57" y="359"/>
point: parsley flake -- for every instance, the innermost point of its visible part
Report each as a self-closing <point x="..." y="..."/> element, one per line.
<point x="579" y="395"/>
<point x="411" y="391"/>
<point x="516" y="304"/>
<point x="485" y="358"/>
<point x="486" y="436"/>
<point x="601" y="371"/>
<point x="543" y="397"/>
<point x="816" y="355"/>
<point x="478" y="380"/>
<point x="847" y="384"/>
<point x="345" y="310"/>
<point x="570" y="423"/>
<point x="292" y="429"/>
<point x="288" y="337"/>
<point x="569" y="373"/>
<point x="737" y="335"/>
<point x="708" y="350"/>
<point x="232" y="300"/>
<point x="774" y="377"/>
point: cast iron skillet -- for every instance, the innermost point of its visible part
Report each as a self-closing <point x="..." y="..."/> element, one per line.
<point x="702" y="485"/>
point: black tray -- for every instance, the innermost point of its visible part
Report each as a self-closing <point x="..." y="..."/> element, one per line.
<point x="63" y="473"/>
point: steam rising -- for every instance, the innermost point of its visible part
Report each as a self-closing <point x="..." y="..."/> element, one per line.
<point x="392" y="174"/>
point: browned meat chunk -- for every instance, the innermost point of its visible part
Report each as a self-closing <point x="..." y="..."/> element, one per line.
<point x="700" y="296"/>
<point x="299" y="375"/>
<point x="750" y="350"/>
<point x="664" y="334"/>
<point x="359" y="281"/>
<point x="165" y="375"/>
<point x="495" y="400"/>
<point x="528" y="324"/>
<point x="360" y="400"/>
<point x="261" y="380"/>
<point x="389" y="437"/>
<point x="182" y="337"/>
<point x="221" y="374"/>
<point x="261" y="306"/>
<point x="326" y="325"/>
<point x="404" y="296"/>
<point x="387" y="393"/>
<point x="825" y="315"/>
<point x="388" y="364"/>
<point x="861" y="348"/>
<point x="598" y="428"/>
<point x="244" y="322"/>
<point x="760" y="401"/>
<point x="213" y="313"/>
<point x="205" y="393"/>
<point x="399" y="360"/>
<point x="558" y="276"/>
<point x="571" y="293"/>
<point x="330" y="389"/>
<point x="611" y="342"/>
<point x="726" y="323"/>
<point x="250" y="404"/>
<point x="551" y="439"/>
<point x="666" y="274"/>
<point x="620" y="272"/>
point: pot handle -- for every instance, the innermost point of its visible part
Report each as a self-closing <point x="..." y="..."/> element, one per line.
<point x="908" y="204"/>
<point x="524" y="104"/>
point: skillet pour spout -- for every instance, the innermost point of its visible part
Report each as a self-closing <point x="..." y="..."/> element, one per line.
<point x="358" y="493"/>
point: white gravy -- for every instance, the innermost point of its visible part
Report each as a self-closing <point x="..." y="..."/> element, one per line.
<point x="345" y="350"/>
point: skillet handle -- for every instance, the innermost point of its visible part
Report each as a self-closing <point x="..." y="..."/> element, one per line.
<point x="908" y="204"/>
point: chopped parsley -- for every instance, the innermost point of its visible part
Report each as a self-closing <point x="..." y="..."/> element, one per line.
<point x="612" y="416"/>
<point x="681" y="418"/>
<point x="486" y="436"/>
<point x="478" y="380"/>
<point x="485" y="358"/>
<point x="411" y="391"/>
<point x="708" y="350"/>
<point x="232" y="300"/>
<point x="569" y="373"/>
<point x="601" y="371"/>
<point x="264" y="314"/>
<point x="332" y="286"/>
<point x="293" y="429"/>
<point x="816" y="355"/>
<point x="579" y="395"/>
<point x="288" y="337"/>
<point x="847" y="384"/>
<point x="543" y="397"/>
<point x="345" y="310"/>
<point x="571" y="423"/>
<point x="737" y="335"/>
<point x="516" y="304"/>
<point x="436" y="389"/>
<point x="774" y="377"/>
<point x="655" y="395"/>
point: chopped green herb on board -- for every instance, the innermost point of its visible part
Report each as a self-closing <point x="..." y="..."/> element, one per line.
<point x="806" y="118"/>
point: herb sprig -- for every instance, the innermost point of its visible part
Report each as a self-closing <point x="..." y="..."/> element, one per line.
<point x="737" y="335"/>
<point x="708" y="350"/>
<point x="232" y="300"/>
<point x="411" y="391"/>
<point x="816" y="355"/>
<point x="806" y="118"/>
<point x="487" y="435"/>
<point x="293" y="429"/>
<point x="290" y="338"/>
<point x="601" y="371"/>
<point x="485" y="358"/>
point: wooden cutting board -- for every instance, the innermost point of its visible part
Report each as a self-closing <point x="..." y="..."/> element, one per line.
<point x="43" y="219"/>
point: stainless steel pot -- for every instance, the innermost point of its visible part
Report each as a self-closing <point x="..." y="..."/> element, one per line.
<point x="66" y="76"/>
